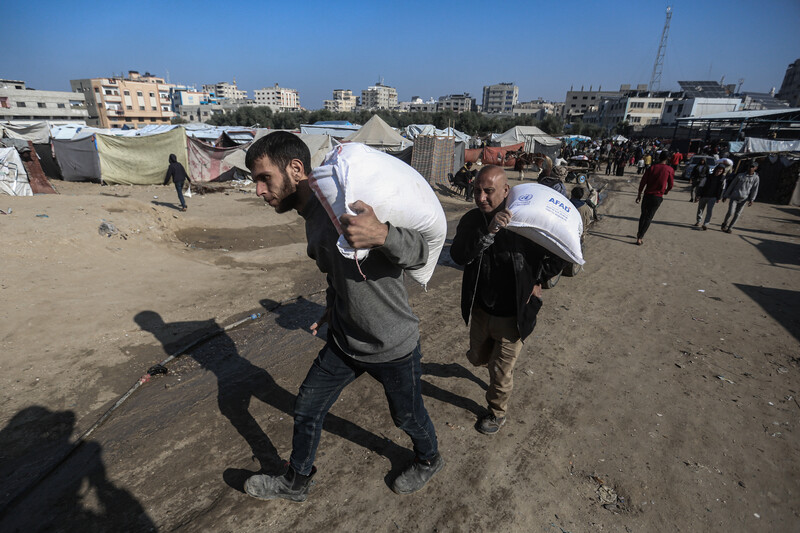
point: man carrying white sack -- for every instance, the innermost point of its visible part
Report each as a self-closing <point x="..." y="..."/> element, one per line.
<point x="372" y="328"/>
<point x="501" y="289"/>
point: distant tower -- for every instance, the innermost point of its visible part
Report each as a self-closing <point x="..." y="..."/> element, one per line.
<point x="655" y="78"/>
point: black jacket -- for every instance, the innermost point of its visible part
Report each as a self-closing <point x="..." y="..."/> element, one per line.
<point x="713" y="187"/>
<point x="532" y="265"/>
<point x="175" y="171"/>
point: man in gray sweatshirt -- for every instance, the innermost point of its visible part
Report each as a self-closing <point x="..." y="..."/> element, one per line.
<point x="742" y="189"/>
<point x="371" y="329"/>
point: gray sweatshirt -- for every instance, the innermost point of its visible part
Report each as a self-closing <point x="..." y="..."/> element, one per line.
<point x="742" y="187"/>
<point x="371" y="320"/>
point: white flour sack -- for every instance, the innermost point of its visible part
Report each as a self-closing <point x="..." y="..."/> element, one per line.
<point x="548" y="218"/>
<point x="397" y="193"/>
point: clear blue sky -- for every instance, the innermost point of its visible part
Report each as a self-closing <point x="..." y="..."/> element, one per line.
<point x="427" y="49"/>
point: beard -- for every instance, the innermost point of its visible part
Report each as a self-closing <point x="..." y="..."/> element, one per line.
<point x="288" y="202"/>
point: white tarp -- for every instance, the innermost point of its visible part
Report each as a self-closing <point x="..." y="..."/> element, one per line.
<point x="13" y="178"/>
<point x="524" y="134"/>
<point x="754" y="144"/>
<point x="413" y="130"/>
<point x="38" y="133"/>
<point x="377" y="134"/>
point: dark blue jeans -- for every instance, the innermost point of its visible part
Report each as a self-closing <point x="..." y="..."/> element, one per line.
<point x="331" y="372"/>
<point x="179" y="188"/>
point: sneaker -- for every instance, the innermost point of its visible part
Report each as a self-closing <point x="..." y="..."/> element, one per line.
<point x="289" y="486"/>
<point x="696" y="224"/>
<point x="727" y="230"/>
<point x="703" y="227"/>
<point x="417" y="475"/>
<point x="490" y="424"/>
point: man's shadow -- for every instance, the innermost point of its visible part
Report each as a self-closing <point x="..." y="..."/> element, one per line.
<point x="42" y="493"/>
<point x="176" y="206"/>
<point x="239" y="382"/>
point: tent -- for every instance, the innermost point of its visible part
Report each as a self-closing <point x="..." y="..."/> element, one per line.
<point x="335" y="128"/>
<point x="379" y="135"/>
<point x="139" y="160"/>
<point x="413" y="130"/>
<point x="532" y="138"/>
<point x="207" y="162"/>
<point x="13" y="178"/>
<point x="77" y="159"/>
<point x="39" y="133"/>
<point x="318" y="145"/>
<point x="754" y="144"/>
<point x="432" y="157"/>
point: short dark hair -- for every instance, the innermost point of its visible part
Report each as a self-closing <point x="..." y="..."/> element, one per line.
<point x="664" y="156"/>
<point x="281" y="147"/>
<point x="577" y="193"/>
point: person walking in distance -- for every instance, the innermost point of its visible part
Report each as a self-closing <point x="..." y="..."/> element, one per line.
<point x="708" y="193"/>
<point x="656" y="182"/>
<point x="742" y="190"/>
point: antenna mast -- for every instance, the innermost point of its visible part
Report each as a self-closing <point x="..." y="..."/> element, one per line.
<point x="655" y="78"/>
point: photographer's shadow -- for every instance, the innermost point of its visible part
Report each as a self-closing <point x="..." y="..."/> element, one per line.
<point x="239" y="382"/>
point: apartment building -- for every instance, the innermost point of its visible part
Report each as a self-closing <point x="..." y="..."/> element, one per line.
<point x="457" y="103"/>
<point x="577" y="103"/>
<point x="379" y="96"/>
<point x="135" y="101"/>
<point x="790" y="88"/>
<point x="499" y="98"/>
<point x="637" y="108"/>
<point x="418" y="105"/>
<point x="17" y="102"/>
<point x="537" y="108"/>
<point x="343" y="101"/>
<point x="278" y="98"/>
<point x="223" y="89"/>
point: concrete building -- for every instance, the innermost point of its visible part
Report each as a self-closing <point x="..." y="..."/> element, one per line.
<point x="135" y="101"/>
<point x="499" y="98"/>
<point x="182" y="95"/>
<point x="457" y="103"/>
<point x="762" y="101"/>
<point x="697" y="107"/>
<point x="576" y="103"/>
<point x="19" y="103"/>
<point x="343" y="101"/>
<point x="637" y="108"/>
<point x="537" y="108"/>
<point x="418" y="105"/>
<point x="278" y="98"/>
<point x="790" y="88"/>
<point x="228" y="91"/>
<point x="379" y="96"/>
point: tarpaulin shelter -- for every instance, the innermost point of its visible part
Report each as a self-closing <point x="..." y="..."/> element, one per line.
<point x="754" y="144"/>
<point x="779" y="174"/>
<point x="13" y="178"/>
<point x="318" y="145"/>
<point x="376" y="133"/>
<point x="432" y="157"/>
<point x="532" y="138"/>
<point x="78" y="159"/>
<point x="139" y="160"/>
<point x="38" y="133"/>
<point x="495" y="155"/>
<point x="206" y="162"/>
<point x="335" y="128"/>
<point x="472" y="155"/>
<point x="413" y="130"/>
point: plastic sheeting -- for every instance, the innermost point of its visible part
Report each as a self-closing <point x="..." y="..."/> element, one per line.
<point x="496" y="155"/>
<point x="206" y="162"/>
<point x="753" y="144"/>
<point x="414" y="130"/>
<point x="77" y="159"/>
<point x="318" y="145"/>
<point x="526" y="135"/>
<point x="38" y="133"/>
<point x="140" y="160"/>
<point x="13" y="178"/>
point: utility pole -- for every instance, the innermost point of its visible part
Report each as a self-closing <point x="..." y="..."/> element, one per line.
<point x="655" y="78"/>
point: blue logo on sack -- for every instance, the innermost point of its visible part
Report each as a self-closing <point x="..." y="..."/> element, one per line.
<point x="559" y="204"/>
<point x="525" y="197"/>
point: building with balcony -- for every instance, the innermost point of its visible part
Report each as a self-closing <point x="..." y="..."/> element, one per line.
<point x="499" y="98"/>
<point x="457" y="103"/>
<point x="278" y="98"/>
<point x="576" y="103"/>
<point x="639" y="108"/>
<point x="132" y="102"/>
<point x="343" y="101"/>
<point x="223" y="89"/>
<point x="418" y="105"/>
<point x="537" y="108"/>
<point x="379" y="96"/>
<point x="19" y="103"/>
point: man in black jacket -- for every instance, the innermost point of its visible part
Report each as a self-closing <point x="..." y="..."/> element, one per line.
<point x="709" y="193"/>
<point x="178" y="175"/>
<point x="501" y="290"/>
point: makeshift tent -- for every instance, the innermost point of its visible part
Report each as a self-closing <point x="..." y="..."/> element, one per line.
<point x="433" y="158"/>
<point x="38" y="133"/>
<point x="77" y="159"/>
<point x="472" y="155"/>
<point x="139" y="160"/>
<point x="532" y="138"/>
<point x="206" y="162"/>
<point x="497" y="156"/>
<point x="13" y="178"/>
<point x="318" y="145"/>
<point x="414" y="130"/>
<point x="754" y="144"/>
<point x="335" y="128"/>
<point x="379" y="135"/>
<point x="779" y="175"/>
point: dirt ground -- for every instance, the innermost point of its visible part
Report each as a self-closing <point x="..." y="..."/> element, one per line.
<point x="657" y="393"/>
